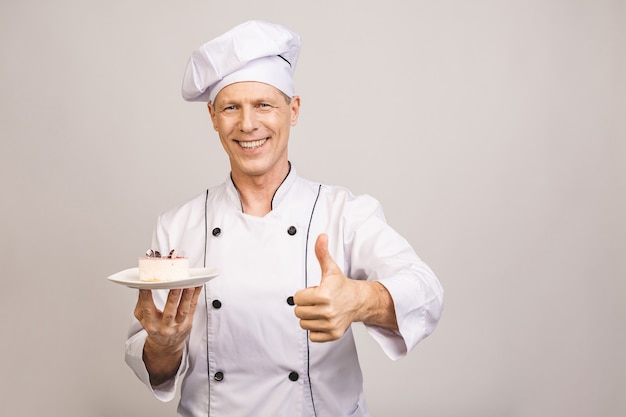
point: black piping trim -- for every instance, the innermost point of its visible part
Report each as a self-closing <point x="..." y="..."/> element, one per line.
<point x="206" y="297"/>
<point x="284" y="59"/>
<point x="235" y="185"/>
<point x="206" y="226"/>
<point x="306" y="284"/>
<point x="281" y="184"/>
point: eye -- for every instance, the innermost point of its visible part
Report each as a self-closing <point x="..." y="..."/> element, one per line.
<point x="264" y="106"/>
<point x="229" y="108"/>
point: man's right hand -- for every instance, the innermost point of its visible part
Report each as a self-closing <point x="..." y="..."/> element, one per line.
<point x="167" y="330"/>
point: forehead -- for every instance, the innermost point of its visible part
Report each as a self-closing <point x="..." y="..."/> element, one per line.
<point x="248" y="91"/>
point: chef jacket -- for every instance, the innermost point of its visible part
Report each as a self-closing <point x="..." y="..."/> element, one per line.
<point x="246" y="354"/>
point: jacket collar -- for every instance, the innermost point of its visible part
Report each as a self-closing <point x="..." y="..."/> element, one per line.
<point x="279" y="195"/>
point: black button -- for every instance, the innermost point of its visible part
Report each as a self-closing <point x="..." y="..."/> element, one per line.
<point x="292" y="230"/>
<point x="216" y="232"/>
<point x="219" y="376"/>
<point x="290" y="301"/>
<point x="216" y="304"/>
<point x="293" y="375"/>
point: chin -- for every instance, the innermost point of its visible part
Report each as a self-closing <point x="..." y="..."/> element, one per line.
<point x="259" y="168"/>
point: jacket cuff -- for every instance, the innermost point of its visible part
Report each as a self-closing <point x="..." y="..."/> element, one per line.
<point x="134" y="358"/>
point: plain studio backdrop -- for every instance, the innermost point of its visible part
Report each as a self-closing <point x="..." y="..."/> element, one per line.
<point x="493" y="133"/>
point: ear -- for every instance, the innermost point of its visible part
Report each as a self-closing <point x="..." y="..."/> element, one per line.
<point x="295" y="109"/>
<point x="212" y="114"/>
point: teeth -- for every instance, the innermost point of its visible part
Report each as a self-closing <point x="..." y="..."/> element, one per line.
<point x="252" y="144"/>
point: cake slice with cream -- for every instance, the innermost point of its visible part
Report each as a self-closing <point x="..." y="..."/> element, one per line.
<point x="155" y="268"/>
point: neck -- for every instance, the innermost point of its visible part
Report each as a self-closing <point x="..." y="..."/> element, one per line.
<point x="256" y="192"/>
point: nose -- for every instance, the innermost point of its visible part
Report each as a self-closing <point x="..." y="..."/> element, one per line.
<point x="248" y="121"/>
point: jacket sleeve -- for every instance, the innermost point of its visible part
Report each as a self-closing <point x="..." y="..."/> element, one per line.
<point x="134" y="359"/>
<point x="377" y="252"/>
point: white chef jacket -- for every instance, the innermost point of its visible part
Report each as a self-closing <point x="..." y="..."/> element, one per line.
<point x="246" y="355"/>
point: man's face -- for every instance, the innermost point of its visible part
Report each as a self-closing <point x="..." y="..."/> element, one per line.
<point x="253" y="120"/>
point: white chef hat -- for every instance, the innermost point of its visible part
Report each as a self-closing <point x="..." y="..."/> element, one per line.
<point x="252" y="51"/>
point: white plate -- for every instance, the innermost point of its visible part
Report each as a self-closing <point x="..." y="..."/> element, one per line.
<point x="197" y="277"/>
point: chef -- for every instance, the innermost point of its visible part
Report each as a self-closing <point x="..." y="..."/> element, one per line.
<point x="299" y="261"/>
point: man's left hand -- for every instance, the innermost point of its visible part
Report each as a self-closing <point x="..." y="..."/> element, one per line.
<point x="328" y="310"/>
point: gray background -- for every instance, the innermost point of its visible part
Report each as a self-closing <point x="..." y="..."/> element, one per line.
<point x="491" y="131"/>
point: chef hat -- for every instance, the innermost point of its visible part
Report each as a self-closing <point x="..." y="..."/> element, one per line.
<point x="252" y="51"/>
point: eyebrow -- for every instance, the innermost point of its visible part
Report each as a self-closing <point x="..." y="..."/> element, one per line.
<point x="229" y="102"/>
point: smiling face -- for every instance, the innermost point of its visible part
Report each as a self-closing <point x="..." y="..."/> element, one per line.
<point x="253" y="120"/>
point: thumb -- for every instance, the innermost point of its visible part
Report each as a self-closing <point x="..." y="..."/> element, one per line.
<point x="326" y="261"/>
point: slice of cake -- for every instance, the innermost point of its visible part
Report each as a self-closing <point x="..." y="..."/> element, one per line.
<point x="154" y="268"/>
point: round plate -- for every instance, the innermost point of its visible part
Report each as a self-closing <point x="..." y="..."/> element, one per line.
<point x="130" y="278"/>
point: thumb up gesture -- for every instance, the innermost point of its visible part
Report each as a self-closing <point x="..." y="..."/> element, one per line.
<point x="328" y="309"/>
